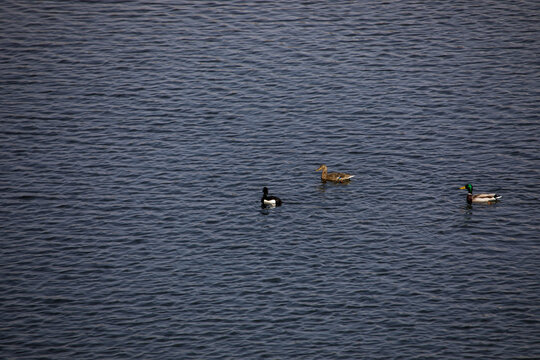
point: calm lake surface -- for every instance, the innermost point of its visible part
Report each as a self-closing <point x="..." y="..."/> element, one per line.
<point x="136" y="138"/>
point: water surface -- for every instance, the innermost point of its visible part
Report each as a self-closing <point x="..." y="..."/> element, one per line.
<point x="136" y="138"/>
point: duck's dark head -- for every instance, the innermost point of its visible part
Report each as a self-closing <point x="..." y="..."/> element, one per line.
<point x="467" y="187"/>
<point x="265" y="190"/>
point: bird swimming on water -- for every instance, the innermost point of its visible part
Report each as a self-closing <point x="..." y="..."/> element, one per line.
<point x="269" y="201"/>
<point x="479" y="198"/>
<point x="333" y="176"/>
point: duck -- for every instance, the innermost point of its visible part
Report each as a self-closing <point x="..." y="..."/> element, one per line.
<point x="479" y="198"/>
<point x="269" y="201"/>
<point x="333" y="176"/>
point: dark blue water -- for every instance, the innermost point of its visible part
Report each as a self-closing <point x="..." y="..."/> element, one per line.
<point x="136" y="138"/>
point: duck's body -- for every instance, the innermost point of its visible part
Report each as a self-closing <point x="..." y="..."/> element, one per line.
<point x="333" y="176"/>
<point x="269" y="201"/>
<point x="479" y="198"/>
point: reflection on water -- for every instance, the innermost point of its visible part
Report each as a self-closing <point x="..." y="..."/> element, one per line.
<point x="329" y="184"/>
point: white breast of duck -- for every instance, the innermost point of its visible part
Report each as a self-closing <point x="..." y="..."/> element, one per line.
<point x="269" y="200"/>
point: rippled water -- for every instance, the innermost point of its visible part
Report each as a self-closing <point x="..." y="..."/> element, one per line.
<point x="136" y="138"/>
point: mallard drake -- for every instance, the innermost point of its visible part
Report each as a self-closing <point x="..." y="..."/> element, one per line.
<point x="333" y="176"/>
<point x="479" y="198"/>
<point x="271" y="201"/>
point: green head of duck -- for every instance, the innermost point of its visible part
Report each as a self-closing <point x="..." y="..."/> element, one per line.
<point x="467" y="187"/>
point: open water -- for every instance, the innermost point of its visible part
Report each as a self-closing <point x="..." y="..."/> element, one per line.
<point x="136" y="138"/>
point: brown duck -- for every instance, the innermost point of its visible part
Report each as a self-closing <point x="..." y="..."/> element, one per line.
<point x="333" y="176"/>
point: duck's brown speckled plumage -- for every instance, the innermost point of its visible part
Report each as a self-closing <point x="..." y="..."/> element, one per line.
<point x="333" y="176"/>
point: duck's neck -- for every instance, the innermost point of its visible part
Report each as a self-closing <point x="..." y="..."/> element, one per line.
<point x="469" y="198"/>
<point x="324" y="172"/>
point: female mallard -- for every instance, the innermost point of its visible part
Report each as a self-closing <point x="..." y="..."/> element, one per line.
<point x="333" y="176"/>
<point x="271" y="201"/>
<point x="479" y="198"/>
